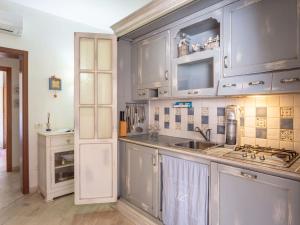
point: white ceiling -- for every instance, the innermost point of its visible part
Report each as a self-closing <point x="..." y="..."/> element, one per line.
<point x="97" y="13"/>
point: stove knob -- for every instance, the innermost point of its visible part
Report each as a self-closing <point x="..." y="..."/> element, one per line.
<point x="253" y="156"/>
<point x="245" y="154"/>
<point x="262" y="157"/>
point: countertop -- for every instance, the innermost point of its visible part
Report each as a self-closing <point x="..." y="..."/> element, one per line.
<point x="213" y="155"/>
<point x="55" y="132"/>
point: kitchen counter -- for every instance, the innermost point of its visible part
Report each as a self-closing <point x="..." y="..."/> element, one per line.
<point x="214" y="155"/>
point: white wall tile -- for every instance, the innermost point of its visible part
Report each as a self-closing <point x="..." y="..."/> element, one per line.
<point x="273" y="123"/>
<point x="273" y="134"/>
<point x="286" y="100"/>
<point x="273" y="111"/>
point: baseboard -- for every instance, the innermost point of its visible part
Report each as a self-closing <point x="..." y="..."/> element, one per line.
<point x="136" y="215"/>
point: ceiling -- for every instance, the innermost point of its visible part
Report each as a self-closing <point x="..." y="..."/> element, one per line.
<point x="96" y="13"/>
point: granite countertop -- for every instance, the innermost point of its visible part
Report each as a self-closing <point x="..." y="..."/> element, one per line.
<point x="214" y="155"/>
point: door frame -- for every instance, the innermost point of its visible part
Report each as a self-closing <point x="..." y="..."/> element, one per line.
<point x="23" y="128"/>
<point x="7" y="116"/>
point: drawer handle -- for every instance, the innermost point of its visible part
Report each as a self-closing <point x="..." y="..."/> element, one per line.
<point x="249" y="176"/>
<point x="166" y="75"/>
<point x="228" y="85"/>
<point x="290" y="80"/>
<point x="196" y="92"/>
<point x="255" y="83"/>
<point x="189" y="92"/>
<point x="226" y="61"/>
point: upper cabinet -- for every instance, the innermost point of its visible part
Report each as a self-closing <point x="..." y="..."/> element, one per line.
<point x="154" y="61"/>
<point x="261" y="36"/>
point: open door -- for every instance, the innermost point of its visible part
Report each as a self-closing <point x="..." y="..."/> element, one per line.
<point x="95" y="118"/>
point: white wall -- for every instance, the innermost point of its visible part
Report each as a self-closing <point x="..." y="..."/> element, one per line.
<point x="15" y="65"/>
<point x="50" y="42"/>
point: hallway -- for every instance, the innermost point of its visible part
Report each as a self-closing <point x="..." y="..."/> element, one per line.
<point x="10" y="189"/>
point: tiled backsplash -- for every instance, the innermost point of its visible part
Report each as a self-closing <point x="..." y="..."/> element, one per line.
<point x="264" y="120"/>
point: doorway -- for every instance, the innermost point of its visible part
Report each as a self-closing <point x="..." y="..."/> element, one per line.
<point x="22" y="57"/>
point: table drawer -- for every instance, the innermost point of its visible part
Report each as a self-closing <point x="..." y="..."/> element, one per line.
<point x="62" y="140"/>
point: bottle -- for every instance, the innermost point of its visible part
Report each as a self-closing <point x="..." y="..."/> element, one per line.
<point x="231" y="124"/>
<point x="122" y="125"/>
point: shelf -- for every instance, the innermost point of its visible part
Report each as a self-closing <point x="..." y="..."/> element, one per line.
<point x="202" y="55"/>
<point x="63" y="166"/>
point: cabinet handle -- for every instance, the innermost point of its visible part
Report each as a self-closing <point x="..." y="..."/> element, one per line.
<point x="189" y="92"/>
<point x="255" y="83"/>
<point x="226" y="61"/>
<point x="166" y="75"/>
<point x="228" y="85"/>
<point x="249" y="176"/>
<point x="290" y="80"/>
<point x="195" y="92"/>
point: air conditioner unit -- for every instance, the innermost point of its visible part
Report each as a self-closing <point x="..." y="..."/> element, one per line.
<point x="11" y="23"/>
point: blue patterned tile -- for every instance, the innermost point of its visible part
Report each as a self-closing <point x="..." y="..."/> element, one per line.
<point x="190" y="127"/>
<point x="166" y="125"/>
<point x="261" y="133"/>
<point x="220" y="129"/>
<point x="167" y="110"/>
<point x="178" y="118"/>
<point x="220" y="111"/>
<point x="286" y="123"/>
<point x="204" y="119"/>
<point x="261" y="111"/>
<point x="190" y="111"/>
<point x="156" y="117"/>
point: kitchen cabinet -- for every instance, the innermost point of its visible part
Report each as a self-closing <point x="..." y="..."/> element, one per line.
<point x="248" y="197"/>
<point x="139" y="177"/>
<point x="56" y="164"/>
<point x="286" y="81"/>
<point x="154" y="61"/>
<point x="261" y="36"/>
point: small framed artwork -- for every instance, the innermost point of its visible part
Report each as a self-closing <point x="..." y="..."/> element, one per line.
<point x="54" y="83"/>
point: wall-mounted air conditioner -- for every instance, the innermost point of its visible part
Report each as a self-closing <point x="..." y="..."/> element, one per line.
<point x="11" y="23"/>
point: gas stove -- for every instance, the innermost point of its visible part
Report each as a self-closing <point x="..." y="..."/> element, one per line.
<point x="264" y="155"/>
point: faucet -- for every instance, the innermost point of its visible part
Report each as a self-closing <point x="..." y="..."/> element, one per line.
<point x="205" y="135"/>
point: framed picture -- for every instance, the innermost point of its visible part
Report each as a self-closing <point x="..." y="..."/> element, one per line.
<point x="54" y="83"/>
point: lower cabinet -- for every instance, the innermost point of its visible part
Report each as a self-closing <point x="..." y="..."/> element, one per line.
<point x="139" y="177"/>
<point x="185" y="191"/>
<point x="247" y="198"/>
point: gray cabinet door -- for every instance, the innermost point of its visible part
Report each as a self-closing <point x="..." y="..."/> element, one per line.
<point x="142" y="177"/>
<point x="248" y="198"/>
<point x="154" y="61"/>
<point x="260" y="36"/>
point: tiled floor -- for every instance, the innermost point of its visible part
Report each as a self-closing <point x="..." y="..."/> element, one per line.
<point x="10" y="189"/>
<point x="16" y="209"/>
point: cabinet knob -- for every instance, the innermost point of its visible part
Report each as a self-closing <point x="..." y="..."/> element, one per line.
<point x="290" y="80"/>
<point x="225" y="61"/>
<point x="255" y="83"/>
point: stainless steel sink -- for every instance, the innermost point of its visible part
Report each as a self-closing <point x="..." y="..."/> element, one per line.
<point x="196" y="145"/>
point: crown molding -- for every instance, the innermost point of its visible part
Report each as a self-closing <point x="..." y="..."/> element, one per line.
<point x="147" y="14"/>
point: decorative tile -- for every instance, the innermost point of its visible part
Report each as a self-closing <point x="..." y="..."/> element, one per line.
<point x="261" y="122"/>
<point x="204" y="111"/>
<point x="242" y="121"/>
<point x="286" y="112"/>
<point x="286" y="124"/>
<point x="220" y="129"/>
<point x="166" y="125"/>
<point x="286" y="135"/>
<point x="204" y="119"/>
<point x="261" y="133"/>
<point x="220" y="111"/>
<point x="190" y="111"/>
<point x="261" y="111"/>
<point x="190" y="118"/>
<point x="190" y="127"/>
<point x="156" y="117"/>
<point x="167" y="110"/>
<point x="178" y="126"/>
<point x="178" y="118"/>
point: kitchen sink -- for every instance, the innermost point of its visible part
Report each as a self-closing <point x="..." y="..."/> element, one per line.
<point x="196" y="145"/>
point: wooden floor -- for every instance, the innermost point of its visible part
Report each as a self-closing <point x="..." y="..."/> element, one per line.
<point x="18" y="209"/>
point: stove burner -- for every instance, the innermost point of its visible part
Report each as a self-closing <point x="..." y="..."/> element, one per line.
<point x="264" y="155"/>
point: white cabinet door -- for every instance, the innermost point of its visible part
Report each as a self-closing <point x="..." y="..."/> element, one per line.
<point x="142" y="177"/>
<point x="260" y="36"/>
<point x="154" y="61"/>
<point x="247" y="198"/>
<point x="95" y="118"/>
